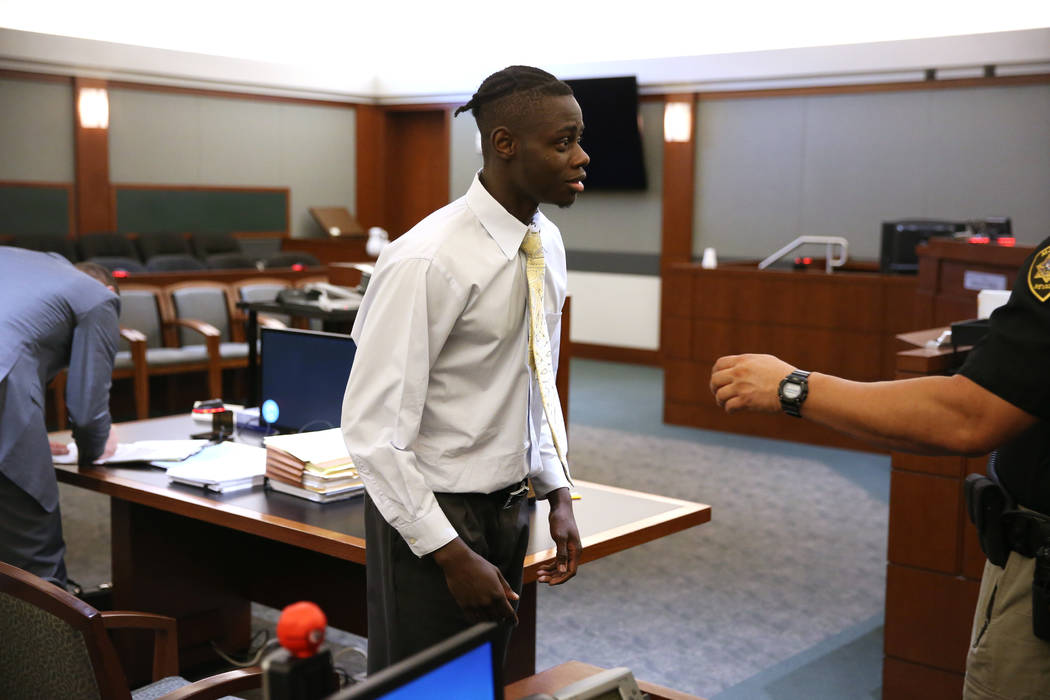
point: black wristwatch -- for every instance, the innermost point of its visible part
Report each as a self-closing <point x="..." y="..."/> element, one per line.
<point x="793" y="391"/>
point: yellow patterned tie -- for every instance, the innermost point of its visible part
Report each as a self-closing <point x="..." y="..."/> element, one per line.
<point x="540" y="344"/>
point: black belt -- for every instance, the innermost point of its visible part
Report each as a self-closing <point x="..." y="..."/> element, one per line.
<point x="508" y="495"/>
<point x="1026" y="531"/>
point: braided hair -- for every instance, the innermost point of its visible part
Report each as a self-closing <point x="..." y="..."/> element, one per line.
<point x="505" y="96"/>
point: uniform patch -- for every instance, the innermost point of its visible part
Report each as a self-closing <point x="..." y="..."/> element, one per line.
<point x="1039" y="275"/>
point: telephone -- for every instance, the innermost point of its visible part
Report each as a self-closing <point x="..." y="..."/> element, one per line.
<point x="331" y="297"/>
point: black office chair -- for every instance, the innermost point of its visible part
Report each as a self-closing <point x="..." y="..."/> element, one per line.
<point x="48" y="243"/>
<point x="221" y="251"/>
<point x="114" y="251"/>
<point x="176" y="262"/>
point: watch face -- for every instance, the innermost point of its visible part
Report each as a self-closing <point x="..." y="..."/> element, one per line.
<point x="792" y="390"/>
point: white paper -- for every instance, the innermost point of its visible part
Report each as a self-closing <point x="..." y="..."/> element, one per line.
<point x="218" y="464"/>
<point x="140" y="451"/>
<point x="318" y="446"/>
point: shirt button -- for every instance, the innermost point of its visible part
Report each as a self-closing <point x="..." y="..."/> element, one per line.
<point x="411" y="540"/>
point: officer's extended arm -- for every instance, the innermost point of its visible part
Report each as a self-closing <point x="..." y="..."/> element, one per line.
<point x="927" y="415"/>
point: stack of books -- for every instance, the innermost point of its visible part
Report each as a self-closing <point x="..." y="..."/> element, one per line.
<point x="313" y="465"/>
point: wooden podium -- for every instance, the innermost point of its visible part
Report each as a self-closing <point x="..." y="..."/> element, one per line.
<point x="934" y="561"/>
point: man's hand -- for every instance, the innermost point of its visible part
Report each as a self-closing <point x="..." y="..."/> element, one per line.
<point x="476" y="584"/>
<point x="111" y="445"/>
<point x="748" y="382"/>
<point x="57" y="448"/>
<point x="566" y="537"/>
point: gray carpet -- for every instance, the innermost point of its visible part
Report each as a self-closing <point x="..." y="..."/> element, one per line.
<point x="794" y="553"/>
<point x="779" y="597"/>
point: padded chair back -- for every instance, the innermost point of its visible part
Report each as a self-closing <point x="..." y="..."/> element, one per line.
<point x="106" y="245"/>
<point x="173" y="262"/>
<point x="140" y="309"/>
<point x="48" y="243"/>
<point x="262" y="289"/>
<point x="207" y="244"/>
<point x="230" y="261"/>
<point x="54" y="644"/>
<point x="204" y="301"/>
<point x="152" y="244"/>
<point x="118" y="263"/>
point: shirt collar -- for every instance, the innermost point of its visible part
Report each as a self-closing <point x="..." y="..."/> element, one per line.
<point x="506" y="230"/>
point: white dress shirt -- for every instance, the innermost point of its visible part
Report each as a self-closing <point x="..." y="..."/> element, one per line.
<point x="441" y="397"/>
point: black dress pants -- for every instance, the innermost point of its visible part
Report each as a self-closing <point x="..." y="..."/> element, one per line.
<point x="410" y="607"/>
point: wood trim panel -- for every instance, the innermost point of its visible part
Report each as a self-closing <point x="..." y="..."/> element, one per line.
<point x="923" y="620"/>
<point x="902" y="680"/>
<point x="613" y="353"/>
<point x="679" y="174"/>
<point x="371" y="166"/>
<point x="94" y="195"/>
<point x="925" y="524"/>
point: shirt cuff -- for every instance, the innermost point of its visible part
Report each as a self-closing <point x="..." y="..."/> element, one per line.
<point x="550" y="479"/>
<point x="431" y="532"/>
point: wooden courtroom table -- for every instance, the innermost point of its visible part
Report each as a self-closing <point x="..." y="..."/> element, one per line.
<point x="571" y="671"/>
<point x="202" y="557"/>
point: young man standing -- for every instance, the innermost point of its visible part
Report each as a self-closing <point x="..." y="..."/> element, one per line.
<point x="450" y="407"/>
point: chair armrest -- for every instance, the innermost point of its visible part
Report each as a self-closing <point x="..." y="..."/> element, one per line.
<point x="165" y="639"/>
<point x="132" y="336"/>
<point x="211" y="334"/>
<point x="205" y="329"/>
<point x="219" y="685"/>
<point x="271" y="322"/>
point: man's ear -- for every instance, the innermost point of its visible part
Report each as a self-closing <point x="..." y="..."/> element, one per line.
<point x="504" y="144"/>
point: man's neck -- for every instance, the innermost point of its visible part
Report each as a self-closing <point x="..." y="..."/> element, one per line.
<point x="521" y="208"/>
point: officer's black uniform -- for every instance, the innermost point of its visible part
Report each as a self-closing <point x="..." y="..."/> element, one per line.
<point x="1006" y="659"/>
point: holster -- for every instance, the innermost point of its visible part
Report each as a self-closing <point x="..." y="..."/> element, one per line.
<point x="986" y="502"/>
<point x="1001" y="528"/>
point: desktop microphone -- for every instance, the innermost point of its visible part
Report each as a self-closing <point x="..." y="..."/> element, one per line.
<point x="299" y="671"/>
<point x="300" y="629"/>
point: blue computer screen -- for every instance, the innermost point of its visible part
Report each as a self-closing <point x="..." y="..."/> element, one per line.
<point x="304" y="377"/>
<point x="467" y="677"/>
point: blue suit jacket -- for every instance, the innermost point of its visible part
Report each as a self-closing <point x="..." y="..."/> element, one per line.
<point x="51" y="316"/>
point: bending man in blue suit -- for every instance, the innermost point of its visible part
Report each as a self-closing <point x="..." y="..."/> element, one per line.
<point x="53" y="315"/>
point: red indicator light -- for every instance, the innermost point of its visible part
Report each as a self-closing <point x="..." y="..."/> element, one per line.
<point x="120" y="273"/>
<point x="298" y="267"/>
<point x="807" y="260"/>
<point x="1007" y="241"/>
<point x="979" y="239"/>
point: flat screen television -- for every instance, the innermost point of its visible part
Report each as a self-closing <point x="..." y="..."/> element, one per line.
<point x="463" y="667"/>
<point x="304" y="375"/>
<point x="611" y="134"/>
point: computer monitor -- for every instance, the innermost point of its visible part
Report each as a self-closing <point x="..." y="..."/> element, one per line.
<point x="462" y="667"/>
<point x="304" y="377"/>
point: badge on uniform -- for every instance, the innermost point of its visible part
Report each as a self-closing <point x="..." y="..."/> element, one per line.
<point x="1039" y="275"/>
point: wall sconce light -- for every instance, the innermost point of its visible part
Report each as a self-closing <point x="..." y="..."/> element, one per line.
<point x="678" y="122"/>
<point x="93" y="108"/>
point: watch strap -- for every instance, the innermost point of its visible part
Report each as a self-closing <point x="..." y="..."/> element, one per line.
<point x="793" y="406"/>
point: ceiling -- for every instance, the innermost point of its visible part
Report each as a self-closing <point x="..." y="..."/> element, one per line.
<point x="411" y="49"/>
